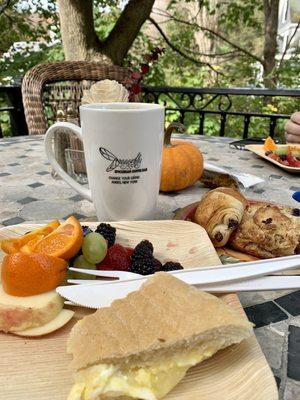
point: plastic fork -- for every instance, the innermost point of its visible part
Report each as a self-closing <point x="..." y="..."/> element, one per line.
<point x="105" y="274"/>
<point x="247" y="276"/>
<point x="212" y="275"/>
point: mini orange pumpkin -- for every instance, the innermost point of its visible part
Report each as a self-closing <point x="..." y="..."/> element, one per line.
<point x="182" y="162"/>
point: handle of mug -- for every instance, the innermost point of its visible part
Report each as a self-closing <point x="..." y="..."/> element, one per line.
<point x="85" y="192"/>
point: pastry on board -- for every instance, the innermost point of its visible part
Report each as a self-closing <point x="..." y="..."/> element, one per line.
<point x="214" y="179"/>
<point x="142" y="345"/>
<point x="219" y="212"/>
<point x="267" y="231"/>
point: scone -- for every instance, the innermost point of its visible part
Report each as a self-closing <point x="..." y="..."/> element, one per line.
<point x="268" y="231"/>
<point x="219" y="212"/>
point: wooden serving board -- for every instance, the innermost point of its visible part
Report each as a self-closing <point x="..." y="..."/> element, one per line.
<point x="38" y="368"/>
<point x="260" y="151"/>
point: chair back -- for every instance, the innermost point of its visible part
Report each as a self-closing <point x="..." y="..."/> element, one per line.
<point x="47" y="88"/>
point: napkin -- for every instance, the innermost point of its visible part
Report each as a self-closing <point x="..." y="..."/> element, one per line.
<point x="247" y="180"/>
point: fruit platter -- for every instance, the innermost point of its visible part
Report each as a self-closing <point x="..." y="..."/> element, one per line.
<point x="36" y="263"/>
<point x="36" y="324"/>
<point x="286" y="157"/>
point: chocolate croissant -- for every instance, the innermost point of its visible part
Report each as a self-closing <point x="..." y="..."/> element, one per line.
<point x="220" y="212"/>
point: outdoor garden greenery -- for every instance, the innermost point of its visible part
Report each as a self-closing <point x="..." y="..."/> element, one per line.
<point x="207" y="43"/>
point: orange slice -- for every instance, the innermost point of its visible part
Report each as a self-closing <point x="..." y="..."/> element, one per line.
<point x="29" y="246"/>
<point x="13" y="245"/>
<point x="31" y="274"/>
<point x="64" y="242"/>
<point x="269" y="144"/>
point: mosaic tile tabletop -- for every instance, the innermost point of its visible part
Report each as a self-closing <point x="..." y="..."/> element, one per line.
<point x="29" y="193"/>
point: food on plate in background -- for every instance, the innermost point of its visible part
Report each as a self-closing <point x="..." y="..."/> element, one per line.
<point x="269" y="144"/>
<point x="31" y="274"/>
<point x="23" y="243"/>
<point x="287" y="155"/>
<point x="227" y="255"/>
<point x="219" y="212"/>
<point x="213" y="179"/>
<point x="267" y="231"/>
<point x="182" y="162"/>
<point x="158" y="332"/>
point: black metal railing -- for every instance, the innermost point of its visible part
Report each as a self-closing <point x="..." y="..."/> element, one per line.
<point x="11" y="104"/>
<point x="249" y="105"/>
<point x="235" y="112"/>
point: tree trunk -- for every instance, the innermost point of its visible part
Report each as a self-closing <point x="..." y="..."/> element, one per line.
<point x="206" y="44"/>
<point x="271" y="8"/>
<point x="126" y="29"/>
<point x="79" y="39"/>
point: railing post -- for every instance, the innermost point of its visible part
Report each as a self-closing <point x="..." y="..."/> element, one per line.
<point x="17" y="116"/>
<point x="246" y="126"/>
<point x="273" y="121"/>
<point x="201" y="122"/>
<point x="223" y="123"/>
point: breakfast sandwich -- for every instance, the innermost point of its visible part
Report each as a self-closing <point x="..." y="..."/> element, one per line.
<point x="142" y="345"/>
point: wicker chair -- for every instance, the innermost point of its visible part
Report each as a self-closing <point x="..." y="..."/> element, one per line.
<point x="52" y="86"/>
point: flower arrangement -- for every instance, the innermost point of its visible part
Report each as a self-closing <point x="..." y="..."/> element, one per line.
<point x="109" y="91"/>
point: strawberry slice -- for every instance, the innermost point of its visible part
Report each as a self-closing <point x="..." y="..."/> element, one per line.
<point x="292" y="160"/>
<point x="117" y="258"/>
<point x="130" y="250"/>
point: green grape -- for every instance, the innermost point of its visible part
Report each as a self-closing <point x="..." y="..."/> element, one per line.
<point x="81" y="262"/>
<point x="94" y="247"/>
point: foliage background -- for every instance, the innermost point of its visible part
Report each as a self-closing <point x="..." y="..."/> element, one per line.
<point x="35" y="24"/>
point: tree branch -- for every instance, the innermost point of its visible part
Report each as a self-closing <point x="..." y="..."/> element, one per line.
<point x="217" y="34"/>
<point x="288" y="45"/>
<point x="126" y="29"/>
<point x="4" y="6"/>
<point x="177" y="50"/>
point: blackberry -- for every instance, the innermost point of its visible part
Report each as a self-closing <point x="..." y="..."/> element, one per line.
<point x="157" y="264"/>
<point x="143" y="267"/>
<point x="86" y="229"/>
<point x="296" y="212"/>
<point x="143" y="250"/>
<point x="144" y="245"/>
<point x="171" y="266"/>
<point x="108" y="232"/>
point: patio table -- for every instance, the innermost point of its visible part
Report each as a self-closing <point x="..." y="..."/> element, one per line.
<point x="29" y="193"/>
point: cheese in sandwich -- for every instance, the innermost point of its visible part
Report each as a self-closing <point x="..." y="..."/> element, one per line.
<point x="142" y="346"/>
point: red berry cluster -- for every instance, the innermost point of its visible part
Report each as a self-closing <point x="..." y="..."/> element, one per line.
<point x="133" y="82"/>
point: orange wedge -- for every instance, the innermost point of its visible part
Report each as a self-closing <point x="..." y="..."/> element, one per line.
<point x="31" y="274"/>
<point x="64" y="242"/>
<point x="13" y="245"/>
<point x="269" y="144"/>
<point x="29" y="246"/>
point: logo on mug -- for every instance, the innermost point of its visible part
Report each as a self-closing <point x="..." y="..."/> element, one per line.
<point x="123" y="164"/>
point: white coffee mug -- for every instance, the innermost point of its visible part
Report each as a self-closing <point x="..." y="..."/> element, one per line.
<point x="123" y="149"/>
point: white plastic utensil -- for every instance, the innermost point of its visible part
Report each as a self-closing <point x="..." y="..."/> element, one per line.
<point x="102" y="294"/>
<point x="264" y="283"/>
<point x="257" y="284"/>
<point x="106" y="274"/>
<point x="216" y="274"/>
